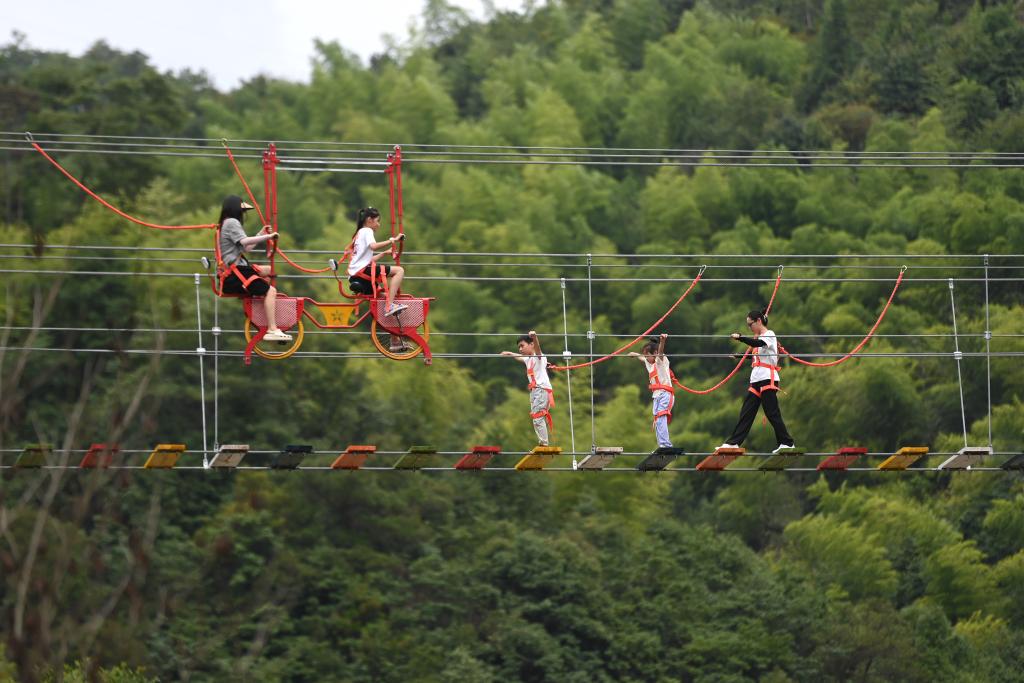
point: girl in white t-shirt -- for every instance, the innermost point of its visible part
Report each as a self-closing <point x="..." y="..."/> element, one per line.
<point x="764" y="384"/>
<point x="542" y="397"/>
<point x="659" y="375"/>
<point x="361" y="265"/>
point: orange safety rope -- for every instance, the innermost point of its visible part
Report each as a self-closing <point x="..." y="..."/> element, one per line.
<point x="863" y="341"/>
<point x="107" y="204"/>
<point x="256" y="204"/>
<point x="298" y="267"/>
<point x="642" y="336"/>
<point x="248" y="191"/>
<point x="742" y="360"/>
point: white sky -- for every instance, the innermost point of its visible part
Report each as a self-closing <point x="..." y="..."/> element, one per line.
<point x="273" y="37"/>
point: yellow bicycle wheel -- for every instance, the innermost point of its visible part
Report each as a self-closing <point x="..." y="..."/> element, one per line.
<point x="276" y="350"/>
<point x="383" y="340"/>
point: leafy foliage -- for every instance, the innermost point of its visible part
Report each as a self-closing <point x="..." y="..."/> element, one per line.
<point x="128" y="576"/>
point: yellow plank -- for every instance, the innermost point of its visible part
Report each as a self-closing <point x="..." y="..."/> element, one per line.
<point x="164" y="456"/>
<point x="538" y="458"/>
<point x="903" y="458"/>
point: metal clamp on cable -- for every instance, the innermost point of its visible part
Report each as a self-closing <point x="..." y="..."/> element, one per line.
<point x="988" y="335"/>
<point x="958" y="355"/>
<point x="591" y="335"/>
<point x="201" y="350"/>
<point x="567" y="354"/>
<point x="216" y="331"/>
<point x="206" y="263"/>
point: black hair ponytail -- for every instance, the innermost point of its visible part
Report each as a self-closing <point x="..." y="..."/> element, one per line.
<point x="759" y="314"/>
<point x="364" y="215"/>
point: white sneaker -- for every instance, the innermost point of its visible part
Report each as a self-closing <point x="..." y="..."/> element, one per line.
<point x="396" y="309"/>
<point x="783" y="448"/>
<point x="277" y="336"/>
<point x="727" y="445"/>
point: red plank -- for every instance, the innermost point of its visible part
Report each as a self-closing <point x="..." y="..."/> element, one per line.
<point x="353" y="457"/>
<point x="842" y="459"/>
<point x="478" y="458"/>
<point x="720" y="459"/>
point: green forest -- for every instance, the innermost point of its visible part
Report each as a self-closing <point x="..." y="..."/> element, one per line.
<point x="127" y="575"/>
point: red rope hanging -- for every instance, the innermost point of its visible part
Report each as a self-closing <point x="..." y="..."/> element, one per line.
<point x="248" y="190"/>
<point x="271" y="207"/>
<point x="635" y="341"/>
<point x="863" y="341"/>
<point x="742" y="360"/>
<point x="107" y="204"/>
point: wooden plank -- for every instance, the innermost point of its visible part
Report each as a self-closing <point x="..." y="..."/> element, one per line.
<point x="164" y="456"/>
<point x="659" y="459"/>
<point x="1015" y="463"/>
<point x="478" y="458"/>
<point x="968" y="457"/>
<point x="600" y="458"/>
<point x="33" y="456"/>
<point x="539" y="458"/>
<point x="353" y="457"/>
<point x="780" y="461"/>
<point x="903" y="458"/>
<point x="290" y="457"/>
<point x="720" y="459"/>
<point x="229" y="455"/>
<point x="99" y="455"/>
<point x="417" y="458"/>
<point x="843" y="458"/>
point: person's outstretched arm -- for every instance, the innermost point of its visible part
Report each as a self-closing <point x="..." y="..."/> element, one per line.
<point x="536" y="344"/>
<point x="250" y="243"/>
<point x="749" y="341"/>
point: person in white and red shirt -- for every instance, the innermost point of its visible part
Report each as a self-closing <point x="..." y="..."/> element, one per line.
<point x="364" y="261"/>
<point x="542" y="396"/>
<point x="764" y="384"/>
<point x="659" y="374"/>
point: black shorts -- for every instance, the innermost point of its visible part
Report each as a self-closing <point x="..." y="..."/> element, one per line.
<point x="232" y="285"/>
<point x="362" y="285"/>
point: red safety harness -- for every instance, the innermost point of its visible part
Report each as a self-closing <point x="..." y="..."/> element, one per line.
<point x="656" y="385"/>
<point x="224" y="270"/>
<point x="376" y="272"/>
<point x="773" y="373"/>
<point x="546" y="413"/>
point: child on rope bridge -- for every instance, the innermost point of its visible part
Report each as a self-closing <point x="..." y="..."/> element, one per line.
<point x="542" y="397"/>
<point x="663" y="395"/>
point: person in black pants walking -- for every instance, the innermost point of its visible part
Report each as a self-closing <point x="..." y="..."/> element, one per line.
<point x="764" y="388"/>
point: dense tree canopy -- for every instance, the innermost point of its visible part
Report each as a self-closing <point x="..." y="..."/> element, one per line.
<point x="132" y="576"/>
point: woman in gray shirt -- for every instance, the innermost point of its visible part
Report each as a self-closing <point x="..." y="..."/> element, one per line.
<point x="247" y="279"/>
